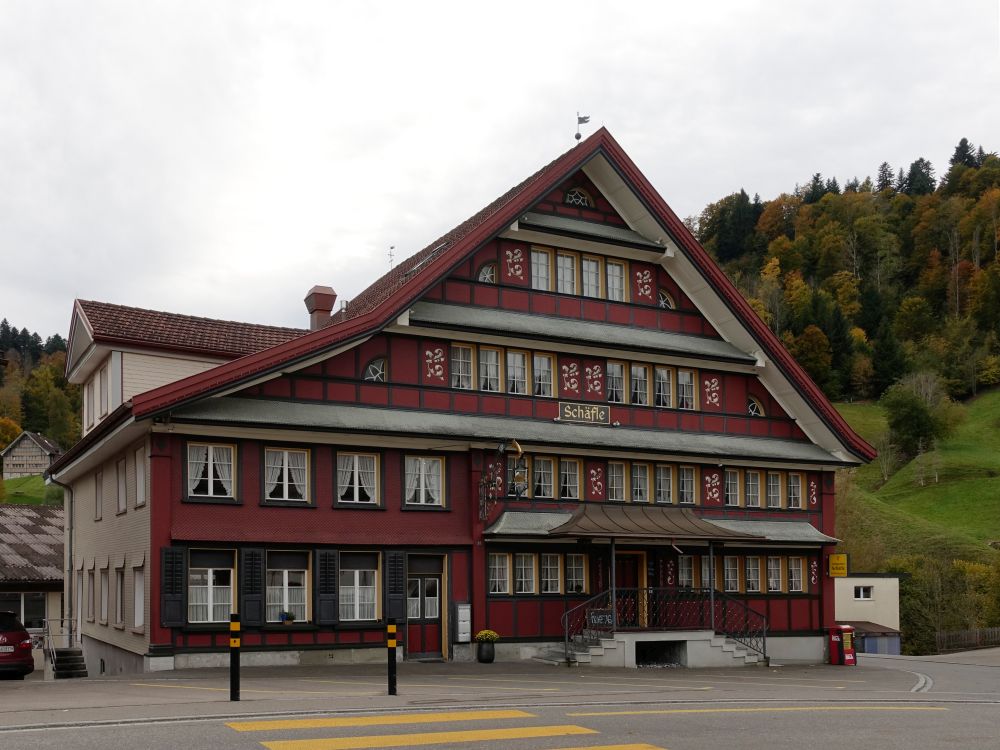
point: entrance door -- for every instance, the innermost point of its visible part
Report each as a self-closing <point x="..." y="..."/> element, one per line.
<point x="627" y="590"/>
<point x="423" y="616"/>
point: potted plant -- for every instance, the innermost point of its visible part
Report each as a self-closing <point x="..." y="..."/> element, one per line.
<point x="485" y="651"/>
<point x="287" y="618"/>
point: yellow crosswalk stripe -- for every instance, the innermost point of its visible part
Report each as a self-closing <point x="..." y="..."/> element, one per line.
<point x="376" y="720"/>
<point x="640" y="746"/>
<point x="427" y="738"/>
<point x="774" y="709"/>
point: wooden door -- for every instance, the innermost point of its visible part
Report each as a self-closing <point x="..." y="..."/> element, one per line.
<point x="423" y="616"/>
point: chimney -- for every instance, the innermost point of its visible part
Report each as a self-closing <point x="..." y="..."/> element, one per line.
<point x="319" y="303"/>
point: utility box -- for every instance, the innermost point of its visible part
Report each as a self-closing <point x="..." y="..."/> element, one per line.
<point x="842" y="646"/>
<point x="463" y="623"/>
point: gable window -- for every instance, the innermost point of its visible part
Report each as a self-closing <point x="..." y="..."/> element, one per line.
<point x="569" y="479"/>
<point x="795" y="574"/>
<point x="542" y="372"/>
<point x="616" y="382"/>
<point x="640" y="483"/>
<point x="731" y="574"/>
<point x="210" y="470"/>
<point x="685" y="485"/>
<point x="590" y="273"/>
<point x="566" y="274"/>
<point x="423" y="481"/>
<point x="210" y="586"/>
<point x="487" y="274"/>
<point x="864" y="593"/>
<point x="665" y="301"/>
<point x="753" y="489"/>
<point x="576" y="567"/>
<point x="121" y="476"/>
<point x="542" y="477"/>
<point x="286" y="585"/>
<point x="752" y="573"/>
<point x="773" y="490"/>
<point x="774" y="574"/>
<point x="375" y="371"/>
<point x="551" y="574"/>
<point x="616" y="281"/>
<point x="489" y="370"/>
<point x="685" y="571"/>
<point x="286" y="474"/>
<point x="517" y="373"/>
<point x="578" y="197"/>
<point x="663" y="387"/>
<point x="541" y="277"/>
<point x="461" y="367"/>
<point x="140" y="477"/>
<point x="358" y="586"/>
<point x="795" y="491"/>
<point x="357" y="478"/>
<point x="499" y="573"/>
<point x="732" y="487"/>
<point x="664" y="484"/>
<point x="754" y="409"/>
<point x="524" y="573"/>
<point x="616" y="482"/>
<point x="685" y="389"/>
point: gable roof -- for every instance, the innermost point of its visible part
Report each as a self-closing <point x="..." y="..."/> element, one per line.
<point x="391" y="295"/>
<point x="152" y="328"/>
<point x="47" y="446"/>
<point x="31" y="543"/>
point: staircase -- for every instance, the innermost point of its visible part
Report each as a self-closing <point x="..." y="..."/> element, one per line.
<point x="68" y="663"/>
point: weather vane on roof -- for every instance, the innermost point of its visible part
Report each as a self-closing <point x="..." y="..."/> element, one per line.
<point x="391" y="255"/>
<point x="580" y="120"/>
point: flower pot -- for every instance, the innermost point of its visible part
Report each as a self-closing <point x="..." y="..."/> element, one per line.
<point x="485" y="652"/>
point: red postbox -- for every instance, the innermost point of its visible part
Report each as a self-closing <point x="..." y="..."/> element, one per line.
<point x="842" y="646"/>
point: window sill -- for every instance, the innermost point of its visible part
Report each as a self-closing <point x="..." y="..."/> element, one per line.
<point x="426" y="508"/>
<point x="119" y="626"/>
<point x="211" y="500"/>
<point x="122" y="512"/>
<point x="278" y="627"/>
<point x="287" y="504"/>
<point x="358" y="506"/>
<point x="137" y="631"/>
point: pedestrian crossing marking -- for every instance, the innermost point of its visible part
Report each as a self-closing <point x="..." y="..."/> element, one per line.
<point x="769" y="709"/>
<point x="379" y="720"/>
<point x="427" y="738"/>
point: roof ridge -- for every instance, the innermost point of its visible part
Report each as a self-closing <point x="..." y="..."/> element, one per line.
<point x="187" y="316"/>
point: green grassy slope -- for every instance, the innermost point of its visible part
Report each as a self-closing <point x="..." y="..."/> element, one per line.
<point x="955" y="517"/>
<point x="31" y="491"/>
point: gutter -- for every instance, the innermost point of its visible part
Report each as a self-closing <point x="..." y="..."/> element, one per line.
<point x="68" y="580"/>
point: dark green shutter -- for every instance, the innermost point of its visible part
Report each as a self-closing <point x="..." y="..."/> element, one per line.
<point x="173" y="587"/>
<point x="252" y="586"/>
<point x="327" y="612"/>
<point x="395" y="585"/>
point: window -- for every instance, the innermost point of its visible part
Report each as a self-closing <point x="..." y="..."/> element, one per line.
<point x="753" y="575"/>
<point x="664" y="484"/>
<point x="517" y="373"/>
<point x="119" y="597"/>
<point x="91" y="595"/>
<point x="774" y="574"/>
<point x="616" y="382"/>
<point x="121" y="476"/>
<point x="540" y="272"/>
<point x="210" y="586"/>
<point x="423" y="598"/>
<point x="616" y="281"/>
<point x="708" y="571"/>
<point x="794" y="490"/>
<point x="138" y="597"/>
<point x="685" y="485"/>
<point x="489" y="370"/>
<point x="576" y="572"/>
<point x="685" y="389"/>
<point x="423" y="481"/>
<point x="639" y="381"/>
<point x="517" y="476"/>
<point x="286" y="585"/>
<point x="542" y="477"/>
<point x="542" y="374"/>
<point x="104" y="595"/>
<point x="358" y="586"/>
<point x="579" y="197"/>
<point x="864" y="593"/>
<point x="640" y="483"/>
<point x="753" y="489"/>
<point x="524" y="573"/>
<point x="210" y="470"/>
<point x="754" y="409"/>
<point x="773" y="490"/>
<point x="103" y="385"/>
<point x="29" y="608"/>
<point x="569" y="479"/>
<point x="357" y="478"/>
<point x="413" y="602"/>
<point x="98" y="495"/>
<point x="665" y="301"/>
<point x="590" y="272"/>
<point x="487" y="274"/>
<point x="375" y="371"/>
<point x="461" y="367"/>
<point x="795" y="574"/>
<point x="732" y="487"/>
<point x="140" y="477"/>
<point x="663" y="387"/>
<point x="616" y="482"/>
<point x="551" y="574"/>
<point x="685" y="571"/>
<point x="90" y="403"/>
<point x="499" y="573"/>
<point x="731" y="574"/>
<point x="566" y="274"/>
<point x="286" y="474"/>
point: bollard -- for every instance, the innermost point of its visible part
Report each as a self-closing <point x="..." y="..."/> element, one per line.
<point x="390" y="641"/>
<point x="234" y="657"/>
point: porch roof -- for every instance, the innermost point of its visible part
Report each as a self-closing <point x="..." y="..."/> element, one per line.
<point x="645" y="522"/>
<point x="526" y="523"/>
<point x="779" y="531"/>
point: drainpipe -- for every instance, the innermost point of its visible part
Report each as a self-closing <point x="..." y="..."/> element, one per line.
<point x="69" y="557"/>
<point x="614" y="595"/>
<point x="711" y="585"/>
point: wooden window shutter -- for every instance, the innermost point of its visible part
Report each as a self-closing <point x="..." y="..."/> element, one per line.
<point x="395" y="585"/>
<point x="327" y="582"/>
<point x="252" y="586"/>
<point x="173" y="587"/>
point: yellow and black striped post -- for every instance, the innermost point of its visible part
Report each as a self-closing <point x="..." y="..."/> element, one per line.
<point x="234" y="657"/>
<point x="390" y="641"/>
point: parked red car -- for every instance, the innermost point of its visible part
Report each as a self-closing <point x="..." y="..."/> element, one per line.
<point x="15" y="648"/>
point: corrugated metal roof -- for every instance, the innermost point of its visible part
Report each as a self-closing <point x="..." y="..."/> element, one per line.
<point x="31" y="543"/>
<point x="582" y="331"/>
<point x="604" y="520"/>
<point x="778" y="531"/>
<point x="526" y="523"/>
<point x="337" y="417"/>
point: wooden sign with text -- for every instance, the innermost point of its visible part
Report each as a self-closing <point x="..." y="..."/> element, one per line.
<point x="584" y="413"/>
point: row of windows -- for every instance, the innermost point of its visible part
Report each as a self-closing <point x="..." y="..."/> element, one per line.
<point x="750" y="574"/>
<point x="531" y="573"/>
<point x="103" y="600"/>
<point x="121" y="485"/>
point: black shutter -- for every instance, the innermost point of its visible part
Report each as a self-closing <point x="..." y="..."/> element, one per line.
<point x="173" y="587"/>
<point x="252" y="586"/>
<point x="327" y="582"/>
<point x="395" y="585"/>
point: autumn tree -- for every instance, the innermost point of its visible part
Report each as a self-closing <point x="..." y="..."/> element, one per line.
<point x="9" y="429"/>
<point x="812" y="350"/>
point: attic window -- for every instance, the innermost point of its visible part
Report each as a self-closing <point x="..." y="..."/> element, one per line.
<point x="754" y="409"/>
<point x="488" y="274"/>
<point x="666" y="302"/>
<point x="579" y="197"/>
<point x="375" y="371"/>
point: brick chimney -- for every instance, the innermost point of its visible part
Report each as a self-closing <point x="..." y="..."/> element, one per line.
<point x="319" y="303"/>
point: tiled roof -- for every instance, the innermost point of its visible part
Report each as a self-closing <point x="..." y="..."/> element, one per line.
<point x="31" y="543"/>
<point x="224" y="338"/>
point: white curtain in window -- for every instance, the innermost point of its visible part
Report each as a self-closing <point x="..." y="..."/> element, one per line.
<point x="272" y="470"/>
<point x="275" y="594"/>
<point x="366" y="473"/>
<point x="297" y="470"/>
<point x="432" y="479"/>
<point x="222" y="459"/>
<point x="412" y="479"/>
<point x="345" y="471"/>
<point x="197" y="461"/>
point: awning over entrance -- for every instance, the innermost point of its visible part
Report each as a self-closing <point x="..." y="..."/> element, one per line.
<point x="800" y="532"/>
<point x="600" y="520"/>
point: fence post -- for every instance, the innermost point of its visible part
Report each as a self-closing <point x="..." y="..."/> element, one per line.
<point x="390" y="642"/>
<point x="234" y="657"/>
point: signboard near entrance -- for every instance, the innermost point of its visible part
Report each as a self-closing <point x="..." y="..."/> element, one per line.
<point x="838" y="566"/>
<point x="600" y="619"/>
<point x="585" y="413"/>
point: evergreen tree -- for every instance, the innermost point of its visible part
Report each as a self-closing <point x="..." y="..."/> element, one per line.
<point x="852" y="185"/>
<point x="883" y="180"/>
<point x="815" y="190"/>
<point x="832" y="186"/>
<point x="889" y="360"/>
<point x="6" y="336"/>
<point x="920" y="179"/>
<point x="964" y="154"/>
<point x="55" y="343"/>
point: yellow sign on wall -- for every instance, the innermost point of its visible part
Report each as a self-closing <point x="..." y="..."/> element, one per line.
<point x="838" y="566"/>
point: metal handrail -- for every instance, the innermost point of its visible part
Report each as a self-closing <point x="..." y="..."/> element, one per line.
<point x="49" y="637"/>
<point x="576" y="619"/>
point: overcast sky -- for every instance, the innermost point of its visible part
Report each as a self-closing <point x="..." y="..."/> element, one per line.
<point x="220" y="158"/>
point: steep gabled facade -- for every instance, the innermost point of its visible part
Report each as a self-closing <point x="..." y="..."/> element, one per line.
<point x="559" y="418"/>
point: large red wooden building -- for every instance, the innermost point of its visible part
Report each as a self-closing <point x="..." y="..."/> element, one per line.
<point x="560" y="421"/>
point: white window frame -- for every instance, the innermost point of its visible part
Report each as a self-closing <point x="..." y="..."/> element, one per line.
<point x="865" y="593"/>
<point x="731" y="488"/>
<point x="518" y="374"/>
<point x="350" y="606"/>
<point x="499" y="572"/>
<point x="639" y="483"/>
<point x="550" y="573"/>
<point x="121" y="482"/>
<point x="615" y="382"/>
<point x="421" y="489"/>
<point x="796" y="581"/>
<point x="542" y="368"/>
<point x="616" y="481"/>
<point x="752" y="489"/>
<point x="462" y="366"/>
<point x="685" y="571"/>
<point x="687" y="486"/>
<point x="278" y="595"/>
<point x="795" y="491"/>
<point x="774" y="575"/>
<point x="576" y="573"/>
<point x="355" y="484"/>
<point x="285" y="482"/>
<point x="616" y="281"/>
<point x="639" y="385"/>
<point x="103" y="385"/>
<point x="709" y="568"/>
<point x="752" y="574"/>
<point x="214" y="594"/>
<point x="590" y="276"/>
<point x="686" y="391"/>
<point x="565" y="273"/>
<point x="569" y="481"/>
<point x="521" y="581"/>
<point x="664" y="485"/>
<point x="139" y="597"/>
<point x="541" y="270"/>
<point x="490" y="361"/>
<point x="731" y="574"/>
<point x="773" y="490"/>
<point x="211" y="475"/>
<point x="663" y="387"/>
<point x="140" y="477"/>
<point x="543" y="468"/>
